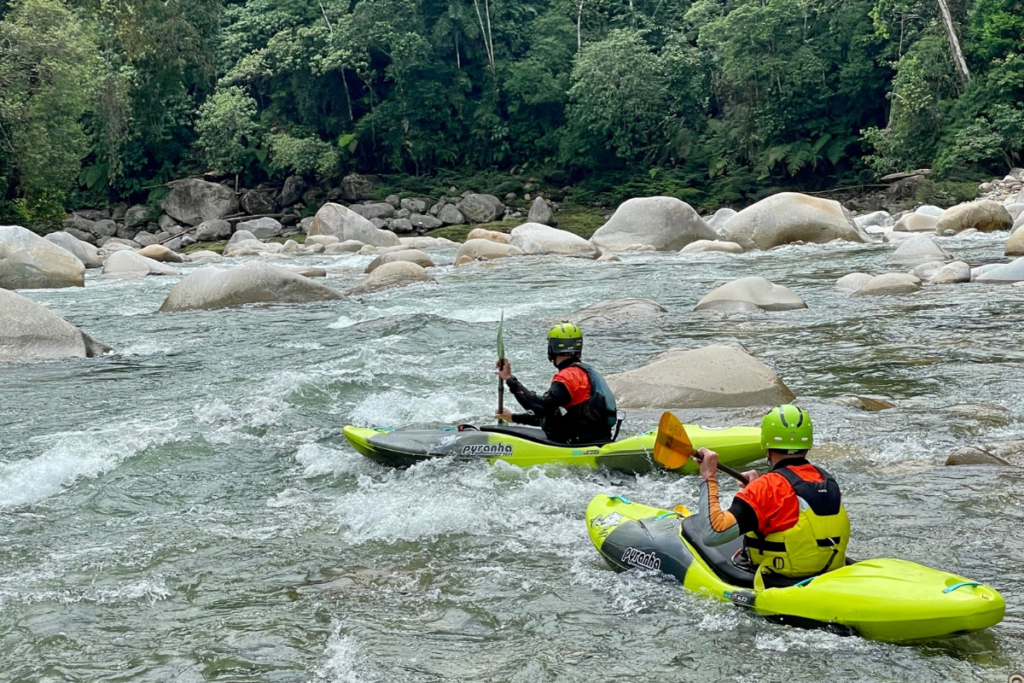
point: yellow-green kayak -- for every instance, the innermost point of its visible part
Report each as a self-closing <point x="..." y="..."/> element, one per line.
<point x="527" y="446"/>
<point x="883" y="599"/>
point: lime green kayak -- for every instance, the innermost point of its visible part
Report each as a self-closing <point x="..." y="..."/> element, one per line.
<point x="527" y="446"/>
<point x="884" y="599"/>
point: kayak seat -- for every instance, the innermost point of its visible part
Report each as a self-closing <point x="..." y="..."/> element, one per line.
<point x="536" y="435"/>
<point x="719" y="558"/>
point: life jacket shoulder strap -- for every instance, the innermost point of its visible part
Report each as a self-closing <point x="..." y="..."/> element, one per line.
<point x="823" y="497"/>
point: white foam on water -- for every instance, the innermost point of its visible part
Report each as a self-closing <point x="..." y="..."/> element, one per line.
<point x="343" y="321"/>
<point x="70" y="456"/>
<point x="778" y="638"/>
<point x="345" y="661"/>
<point x="396" y="408"/>
<point x="319" y="460"/>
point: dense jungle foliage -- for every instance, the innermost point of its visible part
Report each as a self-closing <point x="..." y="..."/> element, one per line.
<point x="708" y="100"/>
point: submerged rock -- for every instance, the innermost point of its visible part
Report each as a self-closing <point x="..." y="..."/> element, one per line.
<point x="705" y="246"/>
<point x="917" y="250"/>
<point x="409" y="255"/>
<point x="485" y="250"/>
<point x="617" y="311"/>
<point x="30" y="332"/>
<point x="391" y="275"/>
<point x="253" y="283"/>
<point x="852" y="282"/>
<point x="890" y="283"/>
<point x="709" y="377"/>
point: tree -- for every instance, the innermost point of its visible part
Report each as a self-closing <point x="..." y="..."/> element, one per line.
<point x="229" y="135"/>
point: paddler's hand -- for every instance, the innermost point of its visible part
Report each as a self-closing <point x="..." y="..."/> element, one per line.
<point x="708" y="463"/>
<point x="504" y="369"/>
<point x="751" y="475"/>
<point x="505" y="415"/>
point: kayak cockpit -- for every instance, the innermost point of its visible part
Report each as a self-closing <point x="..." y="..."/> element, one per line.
<point x="719" y="559"/>
<point x="536" y="435"/>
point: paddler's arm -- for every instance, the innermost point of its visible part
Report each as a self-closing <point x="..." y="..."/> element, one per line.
<point x="540" y="406"/>
<point x="720" y="526"/>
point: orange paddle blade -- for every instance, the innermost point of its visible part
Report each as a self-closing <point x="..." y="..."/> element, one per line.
<point x="672" y="446"/>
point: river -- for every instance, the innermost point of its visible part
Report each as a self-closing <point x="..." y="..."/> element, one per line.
<point x="187" y="509"/>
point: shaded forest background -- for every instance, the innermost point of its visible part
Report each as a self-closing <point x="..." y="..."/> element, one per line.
<point x="712" y="101"/>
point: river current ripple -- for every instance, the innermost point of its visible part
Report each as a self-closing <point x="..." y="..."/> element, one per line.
<point x="187" y="510"/>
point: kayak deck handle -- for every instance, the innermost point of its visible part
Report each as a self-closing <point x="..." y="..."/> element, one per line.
<point x="621" y="499"/>
<point x="961" y="585"/>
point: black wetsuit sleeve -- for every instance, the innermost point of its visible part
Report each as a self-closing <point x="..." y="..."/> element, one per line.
<point x="746" y="518"/>
<point x="538" y="406"/>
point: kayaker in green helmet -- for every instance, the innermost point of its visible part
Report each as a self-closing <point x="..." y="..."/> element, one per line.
<point x="793" y="517"/>
<point x="578" y="407"/>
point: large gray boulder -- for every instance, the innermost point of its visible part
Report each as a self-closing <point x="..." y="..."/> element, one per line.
<point x="708" y="377"/>
<point x="791" y="217"/>
<point x="916" y="222"/>
<point x="852" y="282"/>
<point x="664" y="223"/>
<point x="409" y="255"/>
<point x="917" y="250"/>
<point x="984" y="216"/>
<point x="262" y="228"/>
<point x="750" y="294"/>
<point x="192" y="201"/>
<point x="1007" y="272"/>
<point x="255" y="202"/>
<point x="541" y="212"/>
<point x="381" y="210"/>
<point x="391" y="275"/>
<point x="480" y="208"/>
<point x="534" y="238"/>
<point x="253" y="283"/>
<point x="30" y="332"/>
<point x="292" y="191"/>
<point x="1015" y="244"/>
<point x="720" y="218"/>
<point x="426" y="220"/>
<point x="890" y="283"/>
<point x="617" y="311"/>
<point x="415" y="205"/>
<point x="951" y="273"/>
<point x="484" y="250"/>
<point x="335" y="219"/>
<point x="134" y="217"/>
<point x="159" y="252"/>
<point x="83" y="251"/>
<point x="27" y="261"/>
<point x="450" y="215"/>
<point x="132" y="264"/>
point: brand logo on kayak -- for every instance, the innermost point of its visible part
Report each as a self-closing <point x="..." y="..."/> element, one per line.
<point x="638" y="558"/>
<point x="488" y="449"/>
<point x="606" y="520"/>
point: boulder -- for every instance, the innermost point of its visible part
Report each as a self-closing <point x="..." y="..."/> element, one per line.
<point x="929" y="210"/>
<point x="540" y="212"/>
<point x="617" y="311"/>
<point x="308" y="271"/>
<point x="201" y="255"/>
<point x="335" y="219"/>
<point x="254" y="202"/>
<point x="704" y="246"/>
<point x="27" y="261"/>
<point x="720" y="218"/>
<point x="145" y="239"/>
<point x="852" y="282"/>
<point x="750" y="294"/>
<point x="390" y="275"/>
<point x="381" y="210"/>
<point x="534" y="238"/>
<point x="401" y="226"/>
<point x="253" y="283"/>
<point x="135" y="216"/>
<point x="1006" y="272"/>
<point x="485" y="234"/>
<point x="876" y="219"/>
<point x="926" y="270"/>
<point x="112" y="247"/>
<point x="1015" y="210"/>
<point x="951" y="273"/>
<point x="1015" y="244"/>
<point x="158" y="252"/>
<point x="292" y="191"/>
<point x="415" y="204"/>
<point x="480" y="208"/>
<point x="664" y="223"/>
<point x="426" y="221"/>
<point x="262" y="228"/>
<point x="978" y="271"/>
<point x="86" y="237"/>
<point x="485" y="250"/>
<point x="83" y="251"/>
<point x="131" y="263"/>
<point x="355" y="187"/>
<point x="975" y="456"/>
<point x="916" y="222"/>
<point x="213" y="231"/>
<point x="192" y="201"/>
<point x="791" y="217"/>
<point x="865" y="403"/>
<point x="252" y="248"/>
<point x="30" y="332"/>
<point x="324" y="240"/>
<point x="450" y="215"/>
<point x="984" y="216"/>
<point x="410" y="255"/>
<point x="426" y="242"/>
<point x="890" y="283"/>
<point x="897" y="237"/>
<point x="240" y="236"/>
<point x="920" y="249"/>
<point x="708" y="377"/>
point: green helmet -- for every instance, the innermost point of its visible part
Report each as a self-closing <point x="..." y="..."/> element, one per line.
<point x="786" y="428"/>
<point x="565" y="339"/>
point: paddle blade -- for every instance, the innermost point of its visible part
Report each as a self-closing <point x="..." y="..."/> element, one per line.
<point x="501" y="342"/>
<point x="672" y="446"/>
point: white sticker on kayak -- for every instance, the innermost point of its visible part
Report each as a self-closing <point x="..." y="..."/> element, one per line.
<point x="638" y="558"/>
<point x="488" y="449"/>
<point x="713" y="429"/>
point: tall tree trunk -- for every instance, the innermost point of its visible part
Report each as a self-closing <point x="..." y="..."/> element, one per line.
<point x="579" y="28"/>
<point x="484" y="32"/>
<point x="954" y="42"/>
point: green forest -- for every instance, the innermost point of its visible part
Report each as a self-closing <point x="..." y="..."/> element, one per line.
<point x="712" y="101"/>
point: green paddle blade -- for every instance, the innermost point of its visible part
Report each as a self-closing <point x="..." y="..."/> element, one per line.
<point x="501" y="342"/>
